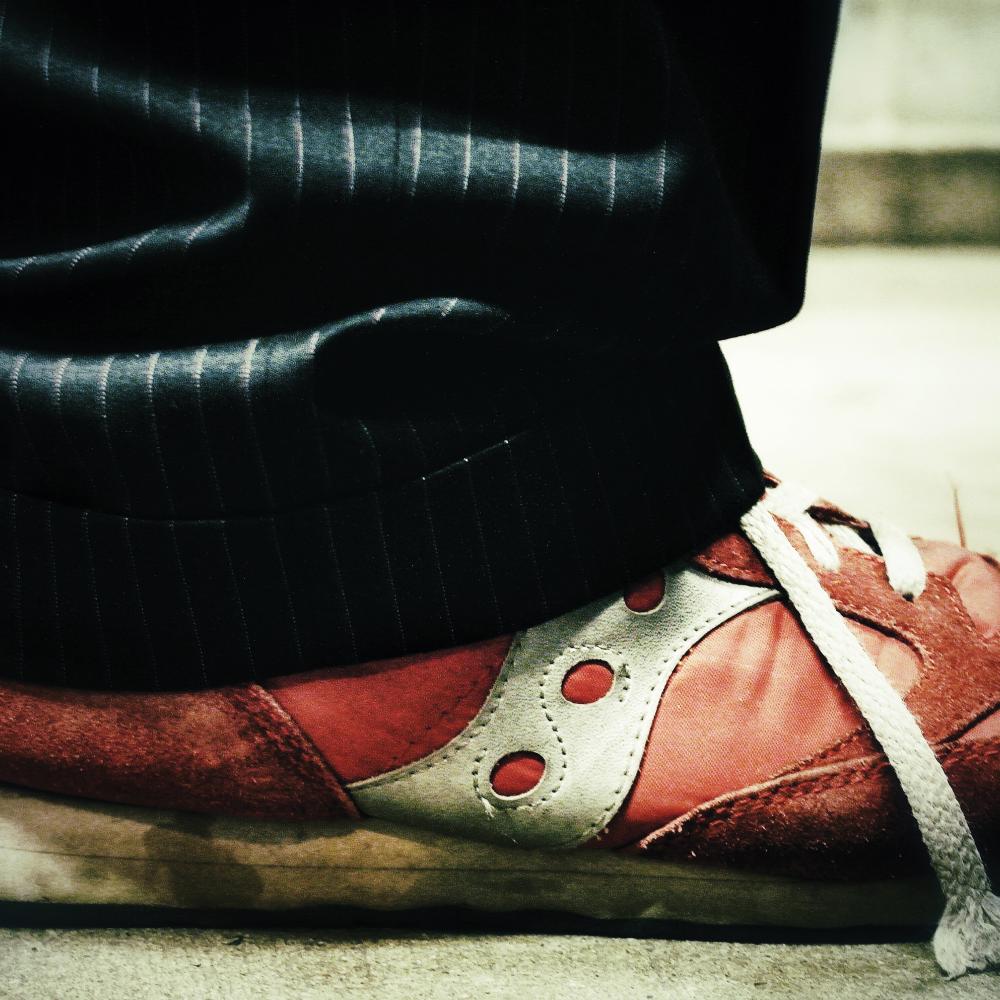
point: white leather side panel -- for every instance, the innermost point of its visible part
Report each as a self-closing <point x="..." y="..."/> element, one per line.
<point x="592" y="752"/>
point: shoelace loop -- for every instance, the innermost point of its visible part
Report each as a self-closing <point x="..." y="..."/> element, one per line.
<point x="903" y="563"/>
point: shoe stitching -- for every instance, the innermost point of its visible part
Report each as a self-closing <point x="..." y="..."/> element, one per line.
<point x="267" y="718"/>
<point x="864" y="612"/>
<point x="945" y="593"/>
<point x="631" y="765"/>
<point x="824" y="783"/>
<point x="875" y="617"/>
<point x="608" y="812"/>
<point x="798" y="788"/>
<point x="514" y="807"/>
<point x="864" y="615"/>
<point x="462" y="740"/>
<point x="492" y="705"/>
<point x="743" y="572"/>
<point x="397" y="759"/>
<point x="689" y="636"/>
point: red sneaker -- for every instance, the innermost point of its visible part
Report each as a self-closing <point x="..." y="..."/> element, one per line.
<point x="797" y="727"/>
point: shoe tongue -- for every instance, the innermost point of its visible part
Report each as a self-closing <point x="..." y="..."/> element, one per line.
<point x="975" y="578"/>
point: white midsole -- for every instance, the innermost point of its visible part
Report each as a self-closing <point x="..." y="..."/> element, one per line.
<point x="62" y="850"/>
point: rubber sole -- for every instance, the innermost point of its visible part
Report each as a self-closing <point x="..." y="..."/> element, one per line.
<point x="72" y="851"/>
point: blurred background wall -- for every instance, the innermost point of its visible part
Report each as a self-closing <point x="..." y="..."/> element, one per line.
<point x="912" y="139"/>
<point x="883" y="393"/>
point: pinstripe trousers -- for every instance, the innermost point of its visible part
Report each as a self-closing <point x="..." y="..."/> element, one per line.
<point x="335" y="331"/>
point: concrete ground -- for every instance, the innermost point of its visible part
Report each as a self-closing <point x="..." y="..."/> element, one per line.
<point x="883" y="395"/>
<point x="356" y="965"/>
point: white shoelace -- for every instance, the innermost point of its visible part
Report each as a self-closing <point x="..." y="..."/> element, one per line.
<point x="968" y="935"/>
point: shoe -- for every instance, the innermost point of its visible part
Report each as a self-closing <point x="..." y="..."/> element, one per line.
<point x="798" y="727"/>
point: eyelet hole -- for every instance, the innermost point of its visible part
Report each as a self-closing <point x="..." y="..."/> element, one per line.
<point x="517" y="773"/>
<point x="645" y="595"/>
<point x="587" y="682"/>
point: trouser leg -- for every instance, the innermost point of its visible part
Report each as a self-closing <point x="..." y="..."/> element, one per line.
<point x="352" y="330"/>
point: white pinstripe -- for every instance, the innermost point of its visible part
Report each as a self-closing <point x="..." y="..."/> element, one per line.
<point x="171" y="523"/>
